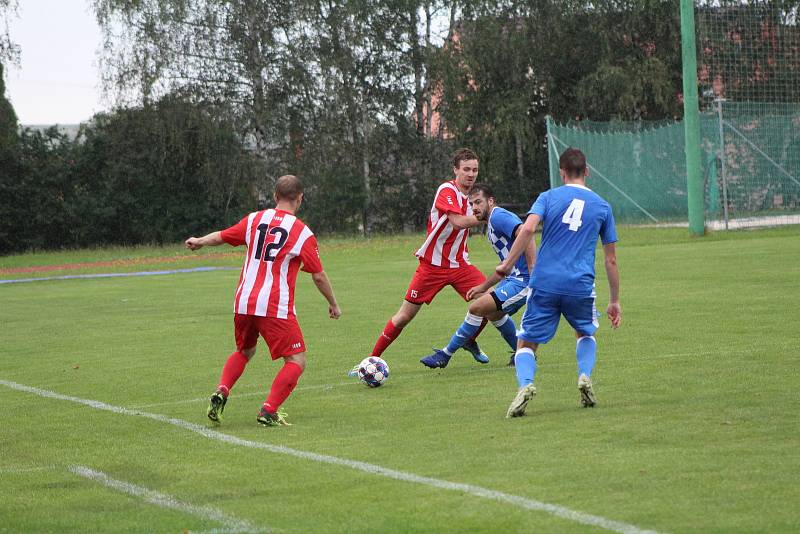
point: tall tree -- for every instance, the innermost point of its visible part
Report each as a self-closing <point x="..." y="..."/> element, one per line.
<point x="239" y="54"/>
<point x="9" y="135"/>
<point x="9" y="51"/>
<point x="9" y="167"/>
<point x="360" y="85"/>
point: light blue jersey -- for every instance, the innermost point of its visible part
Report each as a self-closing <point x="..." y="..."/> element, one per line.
<point x="573" y="217"/>
<point x="500" y="233"/>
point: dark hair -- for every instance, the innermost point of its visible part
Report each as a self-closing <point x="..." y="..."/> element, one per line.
<point x="288" y="187"/>
<point x="573" y="163"/>
<point x="482" y="188"/>
<point x="463" y="154"/>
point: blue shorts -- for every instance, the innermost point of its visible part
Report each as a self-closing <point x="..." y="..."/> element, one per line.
<point x="510" y="295"/>
<point x="540" y="321"/>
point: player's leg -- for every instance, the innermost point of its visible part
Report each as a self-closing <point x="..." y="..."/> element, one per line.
<point x="581" y="313"/>
<point x="586" y="353"/>
<point x="463" y="279"/>
<point x="508" y="296"/>
<point x="525" y="367"/>
<point x="406" y="313"/>
<point x="425" y="284"/>
<point x="466" y="331"/>
<point x="246" y="338"/>
<point x="285" y="340"/>
<point x="538" y="326"/>
<point x="483" y="308"/>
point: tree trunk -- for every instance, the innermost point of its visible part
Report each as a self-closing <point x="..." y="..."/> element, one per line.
<point x="365" y="170"/>
<point x="426" y="89"/>
<point x="520" y="163"/>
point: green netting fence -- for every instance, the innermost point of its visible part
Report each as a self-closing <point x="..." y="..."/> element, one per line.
<point x="640" y="167"/>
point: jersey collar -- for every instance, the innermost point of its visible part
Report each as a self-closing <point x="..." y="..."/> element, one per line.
<point x="579" y="186"/>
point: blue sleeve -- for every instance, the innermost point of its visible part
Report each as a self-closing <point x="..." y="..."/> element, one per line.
<point x="608" y="231"/>
<point x="504" y="223"/>
<point x="540" y="206"/>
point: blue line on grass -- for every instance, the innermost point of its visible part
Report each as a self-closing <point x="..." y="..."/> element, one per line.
<point x="114" y="275"/>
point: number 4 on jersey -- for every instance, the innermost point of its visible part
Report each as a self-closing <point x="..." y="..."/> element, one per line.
<point x="573" y="215"/>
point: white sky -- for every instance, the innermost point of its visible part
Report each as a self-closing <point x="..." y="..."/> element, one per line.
<point x="58" y="80"/>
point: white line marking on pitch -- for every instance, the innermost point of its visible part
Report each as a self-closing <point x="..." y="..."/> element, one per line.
<point x="476" y="491"/>
<point x="230" y="524"/>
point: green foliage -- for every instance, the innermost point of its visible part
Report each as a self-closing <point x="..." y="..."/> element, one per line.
<point x="362" y="99"/>
<point x="9" y="166"/>
<point x="510" y="64"/>
<point x="141" y="175"/>
<point x="32" y="196"/>
<point x="334" y="201"/>
<point x="9" y="138"/>
<point x="161" y="172"/>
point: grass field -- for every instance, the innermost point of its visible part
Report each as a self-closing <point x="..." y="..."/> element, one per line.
<point x="103" y="384"/>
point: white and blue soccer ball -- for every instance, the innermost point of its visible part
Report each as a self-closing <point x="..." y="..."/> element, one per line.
<point x="373" y="371"/>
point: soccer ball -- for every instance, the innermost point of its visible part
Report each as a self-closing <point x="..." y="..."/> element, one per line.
<point x="373" y="371"/>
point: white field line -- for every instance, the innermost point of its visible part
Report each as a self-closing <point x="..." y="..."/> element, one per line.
<point x="114" y="275"/>
<point x="230" y="524"/>
<point x="476" y="491"/>
<point x="734" y="223"/>
<point x="356" y="382"/>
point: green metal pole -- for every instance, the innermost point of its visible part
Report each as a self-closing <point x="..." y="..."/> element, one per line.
<point x="691" y="121"/>
<point x="552" y="155"/>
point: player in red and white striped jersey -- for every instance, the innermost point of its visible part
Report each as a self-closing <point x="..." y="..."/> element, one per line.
<point x="278" y="246"/>
<point x="443" y="257"/>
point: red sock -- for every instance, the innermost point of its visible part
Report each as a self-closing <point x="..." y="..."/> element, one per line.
<point x="282" y="386"/>
<point x="390" y="333"/>
<point x="232" y="370"/>
<point x="480" y="329"/>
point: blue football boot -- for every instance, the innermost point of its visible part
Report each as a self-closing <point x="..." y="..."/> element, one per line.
<point x="438" y="360"/>
<point x="472" y="347"/>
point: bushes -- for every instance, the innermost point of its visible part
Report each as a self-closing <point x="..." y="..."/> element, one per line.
<point x="144" y="175"/>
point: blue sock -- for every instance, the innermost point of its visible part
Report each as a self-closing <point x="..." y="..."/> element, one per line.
<point x="508" y="330"/>
<point x="464" y="333"/>
<point x="525" y="365"/>
<point x="586" y="353"/>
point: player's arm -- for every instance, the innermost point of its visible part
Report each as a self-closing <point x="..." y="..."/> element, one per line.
<point x="530" y="250"/>
<point x="522" y="242"/>
<point x="324" y="286"/>
<point x="212" y="240"/>
<point x="461" y="222"/>
<point x="614" y="310"/>
<point x="483" y="287"/>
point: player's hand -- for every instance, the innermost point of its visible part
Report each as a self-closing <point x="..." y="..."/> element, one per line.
<point x="503" y="269"/>
<point x="193" y="243"/>
<point x="334" y="312"/>
<point x="474" y="292"/>
<point x="614" y="312"/>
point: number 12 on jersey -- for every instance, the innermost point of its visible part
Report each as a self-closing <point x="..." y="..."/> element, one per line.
<point x="573" y="215"/>
<point x="270" y="252"/>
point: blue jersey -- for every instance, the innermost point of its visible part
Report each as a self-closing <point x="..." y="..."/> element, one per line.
<point x="573" y="217"/>
<point x="500" y="233"/>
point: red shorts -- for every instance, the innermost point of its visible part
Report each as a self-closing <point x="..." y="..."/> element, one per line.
<point x="283" y="336"/>
<point x="429" y="280"/>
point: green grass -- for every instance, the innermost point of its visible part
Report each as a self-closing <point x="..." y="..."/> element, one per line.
<point x="696" y="427"/>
